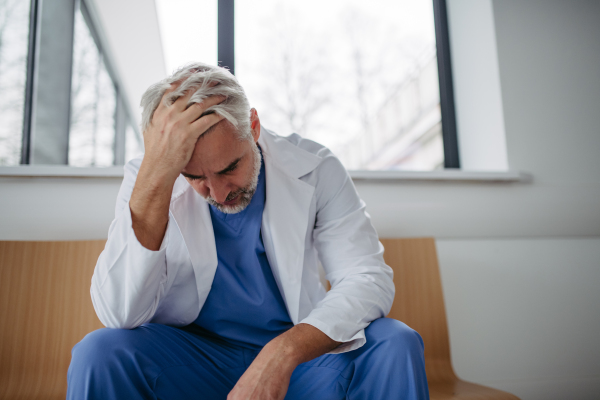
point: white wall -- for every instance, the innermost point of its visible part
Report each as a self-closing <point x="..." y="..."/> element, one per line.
<point x="519" y="261"/>
<point x="56" y="208"/>
<point x="523" y="314"/>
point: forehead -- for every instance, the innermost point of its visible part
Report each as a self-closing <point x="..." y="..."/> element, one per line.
<point x="216" y="149"/>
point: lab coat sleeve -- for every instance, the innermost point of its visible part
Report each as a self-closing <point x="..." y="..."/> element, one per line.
<point x="129" y="280"/>
<point x="362" y="287"/>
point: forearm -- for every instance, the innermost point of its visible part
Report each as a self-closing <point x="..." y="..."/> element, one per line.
<point x="300" y="344"/>
<point x="149" y="205"/>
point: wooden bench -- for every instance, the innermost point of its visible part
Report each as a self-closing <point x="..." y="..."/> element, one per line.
<point x="45" y="309"/>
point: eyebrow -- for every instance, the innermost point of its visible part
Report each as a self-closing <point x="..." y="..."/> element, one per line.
<point x="227" y="169"/>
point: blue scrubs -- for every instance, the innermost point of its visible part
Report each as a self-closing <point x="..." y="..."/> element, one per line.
<point x="244" y="311"/>
<point x="244" y="305"/>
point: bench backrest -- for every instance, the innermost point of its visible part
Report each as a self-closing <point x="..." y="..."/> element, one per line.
<point x="45" y="309"/>
<point x="419" y="300"/>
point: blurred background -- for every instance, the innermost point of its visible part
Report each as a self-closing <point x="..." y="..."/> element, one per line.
<point x="499" y="162"/>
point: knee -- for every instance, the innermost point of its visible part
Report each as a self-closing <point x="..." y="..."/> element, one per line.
<point x="103" y="347"/>
<point x="394" y="336"/>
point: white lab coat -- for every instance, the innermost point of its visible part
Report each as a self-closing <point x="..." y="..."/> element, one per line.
<point x="312" y="212"/>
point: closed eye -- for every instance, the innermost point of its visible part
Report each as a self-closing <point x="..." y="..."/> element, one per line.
<point x="193" y="177"/>
<point x="230" y="168"/>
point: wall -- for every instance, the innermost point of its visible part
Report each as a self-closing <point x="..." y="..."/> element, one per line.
<point x="56" y="208"/>
<point x="523" y="314"/>
<point x="519" y="261"/>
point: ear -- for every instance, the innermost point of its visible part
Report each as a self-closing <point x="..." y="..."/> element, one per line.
<point x="254" y="124"/>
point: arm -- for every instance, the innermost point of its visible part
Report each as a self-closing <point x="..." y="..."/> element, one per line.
<point x="129" y="278"/>
<point x="348" y="247"/>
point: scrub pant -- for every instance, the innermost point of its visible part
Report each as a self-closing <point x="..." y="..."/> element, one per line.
<point x="156" y="361"/>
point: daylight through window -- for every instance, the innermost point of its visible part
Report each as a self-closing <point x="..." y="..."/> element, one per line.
<point x="358" y="77"/>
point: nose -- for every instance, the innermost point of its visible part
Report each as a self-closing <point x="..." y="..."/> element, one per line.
<point x="219" y="190"/>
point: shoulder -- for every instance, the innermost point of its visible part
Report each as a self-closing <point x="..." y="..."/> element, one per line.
<point x="307" y="145"/>
<point x="321" y="168"/>
<point x="294" y="151"/>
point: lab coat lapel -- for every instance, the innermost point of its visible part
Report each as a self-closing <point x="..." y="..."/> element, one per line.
<point x="285" y="217"/>
<point x="192" y="216"/>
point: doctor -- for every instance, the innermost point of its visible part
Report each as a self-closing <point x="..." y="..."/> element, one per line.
<point x="210" y="272"/>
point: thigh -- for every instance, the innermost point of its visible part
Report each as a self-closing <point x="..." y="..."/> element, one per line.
<point x="168" y="361"/>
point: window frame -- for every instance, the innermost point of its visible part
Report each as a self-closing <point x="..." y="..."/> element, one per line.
<point x="27" y="109"/>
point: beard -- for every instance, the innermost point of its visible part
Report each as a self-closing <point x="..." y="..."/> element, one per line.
<point x="245" y="194"/>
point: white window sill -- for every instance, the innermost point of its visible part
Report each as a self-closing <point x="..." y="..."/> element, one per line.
<point x="61" y="171"/>
<point x="442" y="175"/>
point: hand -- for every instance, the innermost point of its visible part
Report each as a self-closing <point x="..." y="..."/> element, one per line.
<point x="172" y="135"/>
<point x="267" y="378"/>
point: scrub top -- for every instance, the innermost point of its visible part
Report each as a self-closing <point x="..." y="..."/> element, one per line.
<point x="244" y="305"/>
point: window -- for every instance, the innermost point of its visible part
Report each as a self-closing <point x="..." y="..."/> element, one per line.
<point x="372" y="81"/>
<point x="134" y="145"/>
<point x="61" y="103"/>
<point x="93" y="102"/>
<point x="359" y="77"/>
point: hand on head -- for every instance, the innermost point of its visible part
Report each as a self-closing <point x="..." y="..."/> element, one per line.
<point x="174" y="130"/>
<point x="171" y="132"/>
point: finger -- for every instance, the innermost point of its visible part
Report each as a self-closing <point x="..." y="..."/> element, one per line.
<point x="202" y="125"/>
<point x="161" y="105"/>
<point x="181" y="103"/>
<point x="197" y="110"/>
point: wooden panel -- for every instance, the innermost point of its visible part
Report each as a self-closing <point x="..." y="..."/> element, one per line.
<point x="419" y="303"/>
<point x="45" y="309"/>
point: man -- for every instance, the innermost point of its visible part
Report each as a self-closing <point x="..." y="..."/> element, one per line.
<point x="210" y="269"/>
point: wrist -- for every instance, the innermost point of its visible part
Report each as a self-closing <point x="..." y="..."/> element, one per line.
<point x="285" y="351"/>
<point x="154" y="177"/>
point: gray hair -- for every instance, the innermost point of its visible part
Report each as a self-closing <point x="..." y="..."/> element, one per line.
<point x="206" y="80"/>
